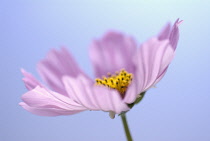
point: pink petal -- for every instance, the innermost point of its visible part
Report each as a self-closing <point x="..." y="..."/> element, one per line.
<point x="41" y="98"/>
<point x="30" y="81"/>
<point x="57" y="64"/>
<point x="164" y="34"/>
<point x="174" y="35"/>
<point x="153" y="58"/>
<point x="94" y="97"/>
<point x="132" y="92"/>
<point x="112" y="53"/>
<point x="171" y="33"/>
<point x="47" y="111"/>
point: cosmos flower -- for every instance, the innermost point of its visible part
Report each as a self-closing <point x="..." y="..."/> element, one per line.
<point x="123" y="73"/>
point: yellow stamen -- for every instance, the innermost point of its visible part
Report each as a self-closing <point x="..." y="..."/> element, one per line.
<point x="119" y="81"/>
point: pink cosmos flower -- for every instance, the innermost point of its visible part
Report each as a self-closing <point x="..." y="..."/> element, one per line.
<point x="123" y="71"/>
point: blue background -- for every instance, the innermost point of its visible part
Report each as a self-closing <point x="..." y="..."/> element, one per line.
<point x="177" y="110"/>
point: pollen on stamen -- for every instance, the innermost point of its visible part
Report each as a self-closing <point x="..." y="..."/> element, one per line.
<point x="119" y="81"/>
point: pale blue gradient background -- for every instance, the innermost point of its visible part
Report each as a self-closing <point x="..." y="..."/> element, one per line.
<point x="177" y="110"/>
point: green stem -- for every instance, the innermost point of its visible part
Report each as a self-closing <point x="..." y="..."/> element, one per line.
<point x="126" y="128"/>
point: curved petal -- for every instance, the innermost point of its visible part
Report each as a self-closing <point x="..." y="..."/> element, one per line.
<point x="164" y="34"/>
<point x="174" y="35"/>
<point x="47" y="111"/>
<point x="41" y="98"/>
<point x="94" y="97"/>
<point x="132" y="92"/>
<point x="112" y="53"/>
<point x="57" y="64"/>
<point x="29" y="80"/>
<point x="153" y="58"/>
<point x="171" y="33"/>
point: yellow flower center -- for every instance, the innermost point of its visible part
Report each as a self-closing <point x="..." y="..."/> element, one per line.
<point x="119" y="81"/>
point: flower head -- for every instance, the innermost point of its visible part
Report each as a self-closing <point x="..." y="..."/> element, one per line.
<point x="123" y="72"/>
